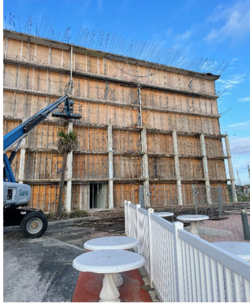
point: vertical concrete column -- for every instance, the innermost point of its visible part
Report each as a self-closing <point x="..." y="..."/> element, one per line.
<point x="145" y="167"/>
<point x="22" y="160"/>
<point x="69" y="174"/>
<point x="139" y="99"/>
<point x="177" y="167"/>
<point x="205" y="169"/>
<point x="111" y="182"/>
<point x="230" y="166"/>
<point x="22" y="165"/>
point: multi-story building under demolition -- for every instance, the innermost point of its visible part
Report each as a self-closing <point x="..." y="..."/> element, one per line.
<point x="143" y="124"/>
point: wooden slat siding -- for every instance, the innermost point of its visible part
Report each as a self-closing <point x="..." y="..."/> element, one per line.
<point x="152" y="119"/>
<point x="166" y="196"/>
<point x="126" y="142"/>
<point x="127" y="167"/>
<point x="91" y="139"/>
<point x="107" y="114"/>
<point x="189" y="146"/>
<point x="75" y="197"/>
<point x="164" y="100"/>
<point x="90" y="166"/>
<point x="80" y="62"/>
<point x="123" y="191"/>
<point x="14" y="48"/>
<point x="10" y="75"/>
<point x="161" y="167"/>
<point x="45" y="197"/>
<point x="40" y="165"/>
<point x="216" y="169"/>
<point x="159" y="143"/>
<point x="214" y="147"/>
<point x="9" y="126"/>
<point x="9" y="103"/>
<point x="93" y="64"/>
<point x="191" y="168"/>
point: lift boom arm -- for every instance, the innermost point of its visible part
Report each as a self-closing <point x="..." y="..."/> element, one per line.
<point x="21" y="131"/>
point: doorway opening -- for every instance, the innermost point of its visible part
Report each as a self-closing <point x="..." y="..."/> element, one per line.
<point x="98" y="195"/>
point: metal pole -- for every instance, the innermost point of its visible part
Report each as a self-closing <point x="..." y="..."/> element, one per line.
<point x="245" y="224"/>
<point x="141" y="196"/>
<point x="220" y="200"/>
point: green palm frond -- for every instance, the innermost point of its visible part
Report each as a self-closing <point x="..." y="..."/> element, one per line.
<point x="67" y="142"/>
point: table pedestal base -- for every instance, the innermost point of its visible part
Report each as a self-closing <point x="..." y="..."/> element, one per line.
<point x="109" y="292"/>
<point x="118" y="279"/>
<point x="193" y="229"/>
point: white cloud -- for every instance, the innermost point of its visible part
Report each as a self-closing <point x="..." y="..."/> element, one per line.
<point x="233" y="22"/>
<point x="183" y="36"/>
<point x="225" y="85"/>
<point x="247" y="99"/>
<point x="240" y="124"/>
<point x="240" y="146"/>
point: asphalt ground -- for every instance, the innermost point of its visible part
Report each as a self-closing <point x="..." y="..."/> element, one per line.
<point x="40" y="270"/>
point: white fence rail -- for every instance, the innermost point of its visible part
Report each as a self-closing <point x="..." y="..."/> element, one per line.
<point x="183" y="267"/>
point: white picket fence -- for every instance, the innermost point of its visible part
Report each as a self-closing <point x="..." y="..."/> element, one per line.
<point x="183" y="267"/>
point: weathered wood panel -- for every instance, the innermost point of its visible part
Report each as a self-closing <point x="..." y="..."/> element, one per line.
<point x="127" y="167"/>
<point x="80" y="196"/>
<point x="126" y="142"/>
<point x="191" y="169"/>
<point x="214" y="147"/>
<point x="128" y="192"/>
<point x="216" y="169"/>
<point x="45" y="197"/>
<point x="159" y="143"/>
<point x="162" y="195"/>
<point x="161" y="168"/>
<point x="95" y="113"/>
<point x="91" y="139"/>
<point x="9" y="126"/>
<point x="189" y="146"/>
<point x="43" y="165"/>
<point x="179" y="122"/>
<point x="90" y="166"/>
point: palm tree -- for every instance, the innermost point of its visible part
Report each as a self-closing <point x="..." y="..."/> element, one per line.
<point x="66" y="143"/>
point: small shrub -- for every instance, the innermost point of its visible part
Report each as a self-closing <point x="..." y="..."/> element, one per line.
<point x="78" y="214"/>
<point x="51" y="216"/>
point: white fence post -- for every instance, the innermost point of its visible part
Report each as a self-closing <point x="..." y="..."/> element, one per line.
<point x="150" y="211"/>
<point x="137" y="226"/>
<point x="125" y="216"/>
<point x="129" y="219"/>
<point x="178" y="262"/>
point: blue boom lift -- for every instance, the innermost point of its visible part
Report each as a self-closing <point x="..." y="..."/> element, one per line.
<point x="33" y="222"/>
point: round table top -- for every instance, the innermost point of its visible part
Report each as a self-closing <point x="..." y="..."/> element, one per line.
<point x="241" y="249"/>
<point x="192" y="218"/>
<point x="164" y="214"/>
<point x="113" y="242"/>
<point x="108" y="261"/>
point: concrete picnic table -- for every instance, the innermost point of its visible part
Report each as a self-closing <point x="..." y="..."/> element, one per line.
<point x="108" y="262"/>
<point x="193" y="219"/>
<point x="241" y="249"/>
<point x="164" y="214"/>
<point x="115" y="243"/>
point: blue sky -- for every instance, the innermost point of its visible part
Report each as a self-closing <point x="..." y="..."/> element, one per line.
<point x="218" y="30"/>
